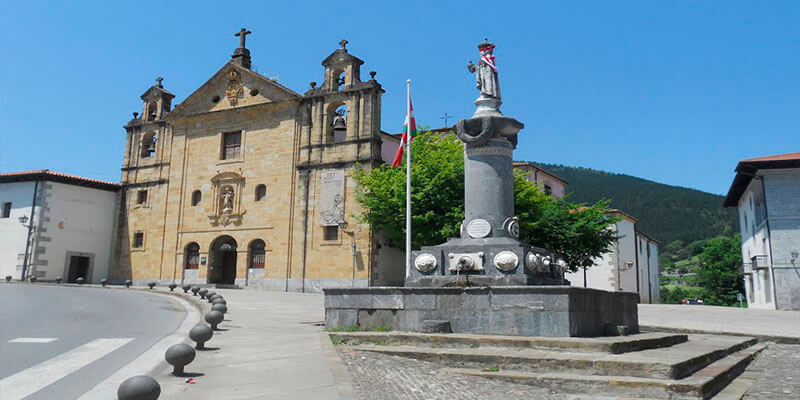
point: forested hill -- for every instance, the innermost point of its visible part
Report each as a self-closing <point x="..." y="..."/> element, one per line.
<point x="665" y="212"/>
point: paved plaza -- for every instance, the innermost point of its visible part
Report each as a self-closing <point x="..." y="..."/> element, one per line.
<point x="274" y="346"/>
<point x="765" y="324"/>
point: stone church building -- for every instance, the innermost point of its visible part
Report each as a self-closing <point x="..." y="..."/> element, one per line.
<point x="247" y="182"/>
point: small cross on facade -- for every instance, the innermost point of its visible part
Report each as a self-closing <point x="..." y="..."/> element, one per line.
<point x="242" y="35"/>
<point x="343" y="43"/>
<point x="158" y="81"/>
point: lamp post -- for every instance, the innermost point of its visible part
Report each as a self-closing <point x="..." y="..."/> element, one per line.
<point x="342" y="226"/>
<point x="31" y="229"/>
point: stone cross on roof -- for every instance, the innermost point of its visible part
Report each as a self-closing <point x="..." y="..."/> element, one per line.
<point x="343" y="43"/>
<point x="158" y="81"/>
<point x="242" y="34"/>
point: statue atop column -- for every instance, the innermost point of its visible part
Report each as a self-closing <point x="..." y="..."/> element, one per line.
<point x="486" y="79"/>
<point x="486" y="71"/>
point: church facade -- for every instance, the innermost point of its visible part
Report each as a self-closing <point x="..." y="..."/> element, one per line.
<point x="247" y="182"/>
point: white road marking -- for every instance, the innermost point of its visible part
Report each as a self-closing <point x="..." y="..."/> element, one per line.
<point x="31" y="380"/>
<point x="151" y="361"/>
<point x="33" y="340"/>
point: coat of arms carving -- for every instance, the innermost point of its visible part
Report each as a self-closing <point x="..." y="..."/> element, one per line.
<point x="235" y="87"/>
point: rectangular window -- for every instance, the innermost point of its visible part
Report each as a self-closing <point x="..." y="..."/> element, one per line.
<point x="6" y="210"/>
<point x="138" y="240"/>
<point x="548" y="190"/>
<point x="231" y="145"/>
<point x="330" y="232"/>
<point x="141" y="197"/>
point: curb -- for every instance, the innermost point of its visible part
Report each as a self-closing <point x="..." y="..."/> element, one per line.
<point x="761" y="338"/>
<point x="344" y="384"/>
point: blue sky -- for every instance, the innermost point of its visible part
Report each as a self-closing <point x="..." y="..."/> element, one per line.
<point x="672" y="91"/>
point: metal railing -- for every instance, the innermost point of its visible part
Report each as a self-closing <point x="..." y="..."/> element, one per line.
<point x="746" y="268"/>
<point x="760" y="261"/>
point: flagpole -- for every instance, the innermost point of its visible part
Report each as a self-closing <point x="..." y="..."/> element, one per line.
<point x="408" y="179"/>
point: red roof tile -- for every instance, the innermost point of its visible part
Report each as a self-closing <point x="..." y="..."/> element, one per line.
<point x="47" y="175"/>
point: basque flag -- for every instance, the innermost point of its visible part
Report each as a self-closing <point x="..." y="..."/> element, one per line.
<point x="410" y="127"/>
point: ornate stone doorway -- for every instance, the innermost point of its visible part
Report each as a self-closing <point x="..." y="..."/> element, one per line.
<point x="223" y="261"/>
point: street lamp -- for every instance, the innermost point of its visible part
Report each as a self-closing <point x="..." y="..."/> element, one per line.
<point x="31" y="229"/>
<point x="342" y="226"/>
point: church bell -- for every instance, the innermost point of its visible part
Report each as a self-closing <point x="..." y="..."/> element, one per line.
<point x="339" y="124"/>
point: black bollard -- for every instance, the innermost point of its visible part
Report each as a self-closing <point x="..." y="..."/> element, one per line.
<point x="201" y="334"/>
<point x="195" y="289"/>
<point x="210" y="294"/>
<point x="104" y="282"/>
<point x="141" y="387"/>
<point x="8" y="278"/>
<point x="179" y="355"/>
<point x="80" y="280"/>
<point x="152" y="285"/>
<point x="33" y="279"/>
<point x="202" y="293"/>
<point x="213" y="297"/>
<point x="214" y="317"/>
<point x="128" y="283"/>
<point x="58" y="280"/>
<point x="186" y="288"/>
<point x="172" y="287"/>
<point x="220" y="307"/>
<point x="219" y="300"/>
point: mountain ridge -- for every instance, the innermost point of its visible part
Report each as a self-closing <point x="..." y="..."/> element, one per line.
<point x="665" y="212"/>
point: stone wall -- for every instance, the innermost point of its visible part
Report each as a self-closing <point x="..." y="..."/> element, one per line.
<point x="522" y="311"/>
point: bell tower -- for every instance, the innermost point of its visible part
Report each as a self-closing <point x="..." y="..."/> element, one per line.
<point x="339" y="131"/>
<point x="342" y="123"/>
<point x="157" y="102"/>
<point x="146" y="131"/>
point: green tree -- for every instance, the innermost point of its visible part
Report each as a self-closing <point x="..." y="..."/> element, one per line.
<point x="577" y="232"/>
<point x="718" y="273"/>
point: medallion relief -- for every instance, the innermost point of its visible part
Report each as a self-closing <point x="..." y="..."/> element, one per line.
<point x="235" y="89"/>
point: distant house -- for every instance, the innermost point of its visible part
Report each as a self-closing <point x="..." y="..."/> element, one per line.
<point x="55" y="225"/>
<point x="631" y="265"/>
<point x="766" y="191"/>
<point x="549" y="182"/>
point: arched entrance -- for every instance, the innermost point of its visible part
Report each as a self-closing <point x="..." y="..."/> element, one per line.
<point x="223" y="261"/>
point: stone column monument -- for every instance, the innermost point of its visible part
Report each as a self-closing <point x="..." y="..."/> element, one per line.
<point x="486" y="281"/>
<point x="488" y="251"/>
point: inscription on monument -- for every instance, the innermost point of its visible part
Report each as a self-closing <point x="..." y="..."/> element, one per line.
<point x="479" y="228"/>
<point x="331" y="197"/>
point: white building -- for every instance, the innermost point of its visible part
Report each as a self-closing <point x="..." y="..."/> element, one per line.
<point x="68" y="223"/>
<point x="547" y="181"/>
<point x="630" y="266"/>
<point x="766" y="191"/>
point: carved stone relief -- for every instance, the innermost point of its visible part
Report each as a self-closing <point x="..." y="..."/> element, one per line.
<point x="331" y="198"/>
<point x="235" y="88"/>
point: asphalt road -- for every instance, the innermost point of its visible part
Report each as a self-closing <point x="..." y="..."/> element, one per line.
<point x="96" y="332"/>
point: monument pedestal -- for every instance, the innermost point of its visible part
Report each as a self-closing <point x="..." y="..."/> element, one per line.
<point x="557" y="311"/>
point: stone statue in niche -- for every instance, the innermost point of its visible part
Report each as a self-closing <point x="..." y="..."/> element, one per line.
<point x="486" y="71"/>
<point x="227" y="200"/>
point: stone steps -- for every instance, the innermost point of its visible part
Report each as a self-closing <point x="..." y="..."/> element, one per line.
<point x="610" y="344"/>
<point x="675" y="362"/>
<point x="703" y="384"/>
